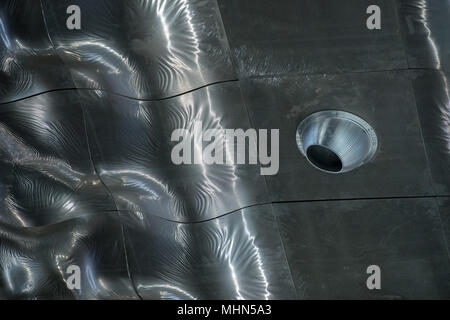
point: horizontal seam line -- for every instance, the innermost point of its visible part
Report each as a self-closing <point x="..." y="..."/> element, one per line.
<point x="294" y="201"/>
<point x="122" y="95"/>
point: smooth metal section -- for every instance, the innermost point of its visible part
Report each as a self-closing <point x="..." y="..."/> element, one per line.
<point x="384" y="99"/>
<point x="329" y="245"/>
<point x="432" y="93"/>
<point x="311" y="36"/>
<point x="336" y="141"/>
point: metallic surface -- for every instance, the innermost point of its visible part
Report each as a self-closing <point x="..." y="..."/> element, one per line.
<point x="131" y="148"/>
<point x="28" y="62"/>
<point x="86" y="176"/>
<point x="34" y="260"/>
<point x="238" y="256"/>
<point x="431" y="89"/>
<point x="340" y="239"/>
<point x="310" y="36"/>
<point x="141" y="49"/>
<point x="337" y="136"/>
<point x="393" y="211"/>
<point x="392" y="114"/>
<point x="42" y="181"/>
<point x="426" y="33"/>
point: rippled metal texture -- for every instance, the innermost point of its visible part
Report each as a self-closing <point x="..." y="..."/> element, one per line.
<point x="238" y="256"/>
<point x="28" y="62"/>
<point x="33" y="260"/>
<point x="131" y="147"/>
<point x="86" y="177"/>
<point x="142" y="49"/>
<point x="42" y="181"/>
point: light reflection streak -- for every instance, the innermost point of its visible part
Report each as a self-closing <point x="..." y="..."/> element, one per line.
<point x="434" y="48"/>
<point x="166" y="286"/>
<point x="4" y="34"/>
<point x="258" y="257"/>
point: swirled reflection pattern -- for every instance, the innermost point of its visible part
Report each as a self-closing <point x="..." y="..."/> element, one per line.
<point x="131" y="148"/>
<point x="28" y="62"/>
<point x="145" y="49"/>
<point x="87" y="181"/>
<point x="86" y="176"/>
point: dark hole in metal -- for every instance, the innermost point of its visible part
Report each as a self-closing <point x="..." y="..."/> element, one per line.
<point x="324" y="158"/>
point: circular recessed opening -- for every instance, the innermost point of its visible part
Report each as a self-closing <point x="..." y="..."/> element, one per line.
<point x="336" y="141"/>
<point x="324" y="158"/>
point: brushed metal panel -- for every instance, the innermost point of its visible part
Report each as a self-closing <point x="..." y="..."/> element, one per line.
<point x="426" y="33"/>
<point x="34" y="261"/>
<point x="431" y="89"/>
<point x="142" y="49"/>
<point x="330" y="244"/>
<point x="237" y="256"/>
<point x="28" y="63"/>
<point x="310" y="36"/>
<point x="47" y="173"/>
<point x="131" y="148"/>
<point x="384" y="99"/>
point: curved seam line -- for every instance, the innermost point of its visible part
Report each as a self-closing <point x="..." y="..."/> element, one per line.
<point x="4" y="224"/>
<point x="292" y="201"/>
<point x="122" y="95"/>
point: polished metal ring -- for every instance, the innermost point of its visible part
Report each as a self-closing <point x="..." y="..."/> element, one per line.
<point x="336" y="141"/>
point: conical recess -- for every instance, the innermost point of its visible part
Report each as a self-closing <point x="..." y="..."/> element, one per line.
<point x="336" y="141"/>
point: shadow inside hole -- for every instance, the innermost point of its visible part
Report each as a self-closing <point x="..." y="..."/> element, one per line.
<point x="324" y="158"/>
